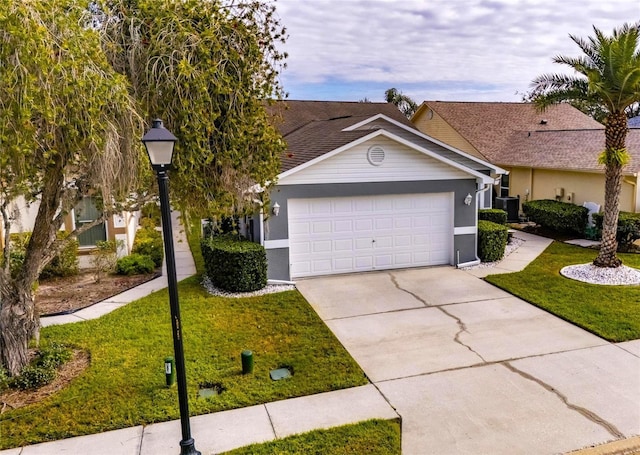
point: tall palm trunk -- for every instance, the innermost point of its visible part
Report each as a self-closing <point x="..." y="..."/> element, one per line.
<point x="616" y="135"/>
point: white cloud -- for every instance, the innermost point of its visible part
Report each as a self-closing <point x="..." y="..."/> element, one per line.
<point x="483" y="49"/>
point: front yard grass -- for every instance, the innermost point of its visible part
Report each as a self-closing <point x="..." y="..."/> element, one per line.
<point x="611" y="312"/>
<point x="373" y="437"/>
<point x="125" y="382"/>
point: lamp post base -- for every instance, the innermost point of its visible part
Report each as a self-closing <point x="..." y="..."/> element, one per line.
<point x="188" y="447"/>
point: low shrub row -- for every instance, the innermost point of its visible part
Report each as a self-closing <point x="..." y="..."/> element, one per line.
<point x="628" y="228"/>
<point x="492" y="240"/>
<point x="235" y="264"/>
<point x="497" y="216"/>
<point x="556" y="215"/>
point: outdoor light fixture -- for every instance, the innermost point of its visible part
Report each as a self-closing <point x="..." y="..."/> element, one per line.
<point x="159" y="143"/>
<point x="276" y="209"/>
<point x="468" y="199"/>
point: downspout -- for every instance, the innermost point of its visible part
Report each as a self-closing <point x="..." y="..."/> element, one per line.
<point x="261" y="222"/>
<point x="477" y="260"/>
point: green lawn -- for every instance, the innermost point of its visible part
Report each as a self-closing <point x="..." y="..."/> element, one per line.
<point x="374" y="437"/>
<point x="612" y="312"/>
<point x="125" y="384"/>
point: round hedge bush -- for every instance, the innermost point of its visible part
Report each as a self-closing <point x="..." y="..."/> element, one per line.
<point x="235" y="264"/>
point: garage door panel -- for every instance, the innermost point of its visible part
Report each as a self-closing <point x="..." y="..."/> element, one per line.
<point x="363" y="225"/>
<point x="384" y="223"/>
<point x="343" y="226"/>
<point x="364" y="244"/>
<point x="339" y="235"/>
<point x="343" y="245"/>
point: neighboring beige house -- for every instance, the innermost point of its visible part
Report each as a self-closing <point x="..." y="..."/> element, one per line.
<point x="121" y="227"/>
<point x="549" y="155"/>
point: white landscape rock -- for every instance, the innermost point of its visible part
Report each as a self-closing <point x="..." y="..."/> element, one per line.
<point x="589" y="273"/>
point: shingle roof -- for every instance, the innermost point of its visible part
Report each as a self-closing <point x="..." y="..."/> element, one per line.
<point x="313" y="128"/>
<point x="569" y="149"/>
<point x="490" y="126"/>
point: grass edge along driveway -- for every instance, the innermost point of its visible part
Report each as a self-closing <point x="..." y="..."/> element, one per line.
<point x="125" y="384"/>
<point x="611" y="312"/>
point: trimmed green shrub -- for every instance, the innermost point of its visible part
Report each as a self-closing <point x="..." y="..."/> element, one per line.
<point x="492" y="240"/>
<point x="558" y="216"/>
<point x="148" y="242"/>
<point x="628" y="228"/>
<point x="497" y="216"/>
<point x="235" y="264"/>
<point x="135" y="264"/>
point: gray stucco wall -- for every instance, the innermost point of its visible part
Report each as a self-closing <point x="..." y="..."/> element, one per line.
<point x="464" y="215"/>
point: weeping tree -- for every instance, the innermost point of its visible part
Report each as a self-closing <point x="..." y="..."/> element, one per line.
<point x="403" y="102"/>
<point x="68" y="129"/>
<point x="206" y="68"/>
<point x="607" y="75"/>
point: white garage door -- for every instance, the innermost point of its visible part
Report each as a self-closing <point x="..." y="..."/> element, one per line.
<point x="355" y="234"/>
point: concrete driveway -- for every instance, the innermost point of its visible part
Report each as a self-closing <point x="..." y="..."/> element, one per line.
<point x="474" y="370"/>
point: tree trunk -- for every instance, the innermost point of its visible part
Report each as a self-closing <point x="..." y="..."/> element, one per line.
<point x="18" y="325"/>
<point x="19" y="321"/>
<point x="616" y="135"/>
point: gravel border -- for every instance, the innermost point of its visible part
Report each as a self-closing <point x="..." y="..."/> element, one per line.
<point x="269" y="289"/>
<point x="589" y="273"/>
<point x="513" y="245"/>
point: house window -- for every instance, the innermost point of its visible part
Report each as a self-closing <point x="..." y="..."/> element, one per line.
<point x="87" y="212"/>
<point x="504" y="185"/>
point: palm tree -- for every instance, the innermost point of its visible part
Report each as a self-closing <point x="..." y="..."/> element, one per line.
<point x="406" y="105"/>
<point x="608" y="74"/>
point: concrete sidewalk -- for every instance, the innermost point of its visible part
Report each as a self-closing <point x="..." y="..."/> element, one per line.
<point x="222" y="431"/>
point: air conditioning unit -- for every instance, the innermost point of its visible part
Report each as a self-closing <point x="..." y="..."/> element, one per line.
<point x="511" y="205"/>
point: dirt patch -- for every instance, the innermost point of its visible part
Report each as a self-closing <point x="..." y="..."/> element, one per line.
<point x="69" y="294"/>
<point x="14" y="399"/>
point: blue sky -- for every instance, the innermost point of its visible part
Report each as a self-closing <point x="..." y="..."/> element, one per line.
<point x="452" y="50"/>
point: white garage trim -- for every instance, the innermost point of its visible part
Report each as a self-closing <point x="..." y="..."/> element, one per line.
<point x="364" y="233"/>
<point x="273" y="244"/>
<point x="465" y="230"/>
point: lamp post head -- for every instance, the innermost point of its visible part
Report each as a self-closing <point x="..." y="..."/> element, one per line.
<point x="159" y="143"/>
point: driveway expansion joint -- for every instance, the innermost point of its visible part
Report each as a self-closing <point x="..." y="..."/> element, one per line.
<point x="590" y="415"/>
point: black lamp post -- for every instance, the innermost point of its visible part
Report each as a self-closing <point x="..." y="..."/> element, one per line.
<point x="159" y="143"/>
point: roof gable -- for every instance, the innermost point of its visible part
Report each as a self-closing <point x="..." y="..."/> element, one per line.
<point x="484" y="177"/>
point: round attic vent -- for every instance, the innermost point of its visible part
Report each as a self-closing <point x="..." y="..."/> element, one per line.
<point x="375" y="155"/>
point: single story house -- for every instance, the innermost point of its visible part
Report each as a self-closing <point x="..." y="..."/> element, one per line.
<point x="362" y="189"/>
<point x="548" y="155"/>
<point x="120" y="227"/>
